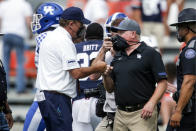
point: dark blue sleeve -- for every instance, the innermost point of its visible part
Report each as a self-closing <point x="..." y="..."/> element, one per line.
<point x="189" y="61"/>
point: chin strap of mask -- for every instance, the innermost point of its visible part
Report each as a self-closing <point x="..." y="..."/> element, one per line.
<point x="191" y="29"/>
<point x="133" y="42"/>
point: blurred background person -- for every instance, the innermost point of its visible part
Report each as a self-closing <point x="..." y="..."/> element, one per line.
<point x="130" y="8"/>
<point x="153" y="19"/>
<point x="171" y="4"/>
<point x="96" y="11"/>
<point x="43" y="23"/>
<point x="78" y="3"/>
<point x="167" y="102"/>
<point x="84" y="117"/>
<point x="15" y="19"/>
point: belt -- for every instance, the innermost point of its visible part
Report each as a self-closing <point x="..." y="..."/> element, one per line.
<point x="131" y="108"/>
<point x="55" y="92"/>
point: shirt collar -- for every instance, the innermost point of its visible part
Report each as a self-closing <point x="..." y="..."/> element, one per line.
<point x="194" y="38"/>
<point x="63" y="31"/>
<point x="141" y="47"/>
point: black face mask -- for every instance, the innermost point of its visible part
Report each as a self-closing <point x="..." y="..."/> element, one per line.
<point x="180" y="38"/>
<point x="119" y="43"/>
<point x="81" y="31"/>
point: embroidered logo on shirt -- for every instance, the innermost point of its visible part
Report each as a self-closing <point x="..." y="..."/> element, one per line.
<point x="139" y="56"/>
<point x="71" y="61"/>
<point x="120" y="58"/>
<point x="190" y="53"/>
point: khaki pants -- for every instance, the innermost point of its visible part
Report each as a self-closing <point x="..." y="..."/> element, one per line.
<point x="156" y="29"/>
<point x="132" y="121"/>
<point x="103" y="125"/>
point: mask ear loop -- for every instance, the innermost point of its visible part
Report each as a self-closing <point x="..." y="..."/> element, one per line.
<point x="191" y="29"/>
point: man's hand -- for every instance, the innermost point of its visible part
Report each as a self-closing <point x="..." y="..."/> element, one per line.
<point x="108" y="70"/>
<point x="171" y="88"/>
<point x="175" y="119"/>
<point x="9" y="120"/>
<point x="147" y="110"/>
<point x="107" y="44"/>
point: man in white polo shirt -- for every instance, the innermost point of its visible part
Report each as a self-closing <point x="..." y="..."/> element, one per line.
<point x="58" y="70"/>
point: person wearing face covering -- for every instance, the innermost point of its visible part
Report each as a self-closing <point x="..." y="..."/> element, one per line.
<point x="183" y="119"/>
<point x="138" y="78"/>
<point x="58" y="70"/>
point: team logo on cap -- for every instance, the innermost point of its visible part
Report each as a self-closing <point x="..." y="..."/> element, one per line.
<point x="190" y="53"/>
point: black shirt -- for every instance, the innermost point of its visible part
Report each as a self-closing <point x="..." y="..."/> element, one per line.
<point x="3" y="85"/>
<point x="135" y="75"/>
<point x="186" y="63"/>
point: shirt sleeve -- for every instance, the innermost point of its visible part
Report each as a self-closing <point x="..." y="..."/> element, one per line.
<point x="189" y="61"/>
<point x="69" y="57"/>
<point x="157" y="67"/>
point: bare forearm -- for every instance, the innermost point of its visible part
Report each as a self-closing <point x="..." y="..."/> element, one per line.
<point x="108" y="83"/>
<point x="100" y="56"/>
<point x="159" y="91"/>
<point x="83" y="72"/>
<point x="185" y="95"/>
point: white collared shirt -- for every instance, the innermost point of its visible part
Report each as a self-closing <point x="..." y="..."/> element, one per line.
<point x="57" y="55"/>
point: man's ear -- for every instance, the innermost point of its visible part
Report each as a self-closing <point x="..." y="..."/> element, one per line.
<point x="70" y="23"/>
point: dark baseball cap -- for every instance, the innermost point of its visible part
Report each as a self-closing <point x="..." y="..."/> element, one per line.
<point x="186" y="16"/>
<point x="129" y="25"/>
<point x="74" y="13"/>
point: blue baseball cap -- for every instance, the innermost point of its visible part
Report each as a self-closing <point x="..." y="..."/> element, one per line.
<point x="74" y="13"/>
